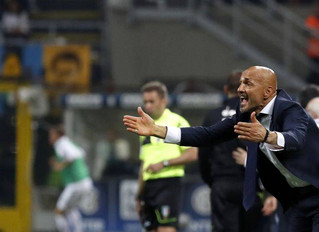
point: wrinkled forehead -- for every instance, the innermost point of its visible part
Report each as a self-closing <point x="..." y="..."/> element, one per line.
<point x="251" y="76"/>
<point x="257" y="73"/>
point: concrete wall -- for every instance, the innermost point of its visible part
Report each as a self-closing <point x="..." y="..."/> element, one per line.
<point x="167" y="50"/>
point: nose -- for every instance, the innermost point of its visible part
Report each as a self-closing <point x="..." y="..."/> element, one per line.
<point x="147" y="105"/>
<point x="240" y="88"/>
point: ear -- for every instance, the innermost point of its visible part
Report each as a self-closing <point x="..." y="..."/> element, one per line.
<point x="164" y="101"/>
<point x="268" y="92"/>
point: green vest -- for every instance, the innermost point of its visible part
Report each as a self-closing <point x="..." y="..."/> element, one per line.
<point x="74" y="172"/>
<point x="154" y="150"/>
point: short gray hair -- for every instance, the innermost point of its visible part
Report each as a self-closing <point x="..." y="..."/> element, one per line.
<point x="157" y="86"/>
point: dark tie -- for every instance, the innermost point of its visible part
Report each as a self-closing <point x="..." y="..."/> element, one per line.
<point x="250" y="176"/>
<point x="251" y="172"/>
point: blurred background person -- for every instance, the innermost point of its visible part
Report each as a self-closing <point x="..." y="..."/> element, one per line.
<point x="313" y="109"/>
<point x="307" y="93"/>
<point x="112" y="157"/>
<point x="15" y="21"/>
<point x="159" y="181"/>
<point x="69" y="161"/>
<point x="223" y="175"/>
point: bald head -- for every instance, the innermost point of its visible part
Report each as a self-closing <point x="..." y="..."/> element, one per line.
<point x="257" y="88"/>
<point x="313" y="107"/>
<point x="266" y="75"/>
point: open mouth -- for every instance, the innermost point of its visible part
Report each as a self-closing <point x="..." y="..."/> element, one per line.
<point x="243" y="99"/>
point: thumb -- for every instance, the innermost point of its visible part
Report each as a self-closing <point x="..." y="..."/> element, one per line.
<point x="253" y="117"/>
<point x="140" y="111"/>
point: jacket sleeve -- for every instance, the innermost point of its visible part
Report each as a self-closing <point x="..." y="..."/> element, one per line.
<point x="294" y="121"/>
<point x="205" y="136"/>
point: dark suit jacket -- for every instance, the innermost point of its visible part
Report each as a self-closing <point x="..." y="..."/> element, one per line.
<point x="301" y="152"/>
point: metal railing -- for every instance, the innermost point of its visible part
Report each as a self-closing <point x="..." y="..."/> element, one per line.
<point x="281" y="41"/>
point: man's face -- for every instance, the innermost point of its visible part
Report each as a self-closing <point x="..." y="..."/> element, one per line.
<point x="251" y="92"/>
<point x="153" y="104"/>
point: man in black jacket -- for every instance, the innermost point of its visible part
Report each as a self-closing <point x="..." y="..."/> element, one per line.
<point x="223" y="175"/>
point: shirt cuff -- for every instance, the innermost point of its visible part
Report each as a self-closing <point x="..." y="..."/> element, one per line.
<point x="280" y="143"/>
<point x="173" y="135"/>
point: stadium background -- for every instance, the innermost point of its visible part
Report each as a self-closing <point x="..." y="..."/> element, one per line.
<point x="108" y="50"/>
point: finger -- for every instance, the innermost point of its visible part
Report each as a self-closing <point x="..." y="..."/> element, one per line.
<point x="244" y="124"/>
<point x="246" y="129"/>
<point x="236" y="158"/>
<point x="235" y="153"/>
<point x="130" y="124"/>
<point x="243" y="137"/>
<point x="129" y="117"/>
<point x="129" y="121"/>
<point x="131" y="130"/>
<point x="242" y="132"/>
<point x="253" y="117"/>
<point x="265" y="212"/>
<point x="241" y="150"/>
<point x="140" y="111"/>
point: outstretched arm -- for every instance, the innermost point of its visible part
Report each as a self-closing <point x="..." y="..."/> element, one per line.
<point x="187" y="136"/>
<point x="144" y="125"/>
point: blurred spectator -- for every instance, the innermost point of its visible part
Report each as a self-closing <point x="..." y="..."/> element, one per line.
<point x="192" y="85"/>
<point x="112" y="157"/>
<point x="225" y="176"/>
<point x="15" y="21"/>
<point x="69" y="161"/>
<point x="313" y="109"/>
<point x="312" y="23"/>
<point x="307" y="93"/>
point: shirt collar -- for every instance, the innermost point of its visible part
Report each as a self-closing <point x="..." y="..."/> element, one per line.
<point x="269" y="107"/>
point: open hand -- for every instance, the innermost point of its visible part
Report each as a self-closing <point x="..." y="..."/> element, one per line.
<point x="240" y="156"/>
<point x="140" y="125"/>
<point x="252" y="131"/>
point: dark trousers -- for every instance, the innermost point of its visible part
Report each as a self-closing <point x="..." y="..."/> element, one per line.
<point x="304" y="216"/>
<point x="228" y="214"/>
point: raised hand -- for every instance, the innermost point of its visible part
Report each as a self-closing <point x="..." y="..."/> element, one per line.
<point x="143" y="125"/>
<point x="240" y="156"/>
<point x="253" y="132"/>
